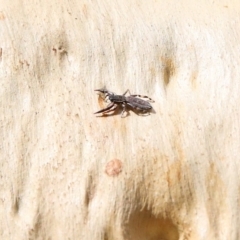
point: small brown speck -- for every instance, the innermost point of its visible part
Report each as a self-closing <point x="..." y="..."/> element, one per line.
<point x="2" y="16"/>
<point x="54" y="49"/>
<point x="113" y="167"/>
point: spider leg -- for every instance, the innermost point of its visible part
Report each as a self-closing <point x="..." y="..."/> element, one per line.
<point x="102" y="90"/>
<point x="144" y="113"/>
<point x="141" y="96"/>
<point x="104" y="94"/>
<point x="124" y="110"/>
<point x="111" y="109"/>
<point x="138" y="95"/>
<point x="109" y="106"/>
<point x="126" y="92"/>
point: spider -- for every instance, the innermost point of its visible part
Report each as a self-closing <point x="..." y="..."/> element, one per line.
<point x="133" y="101"/>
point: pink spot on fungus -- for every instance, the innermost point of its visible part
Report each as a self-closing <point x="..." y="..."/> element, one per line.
<point x="113" y="167"/>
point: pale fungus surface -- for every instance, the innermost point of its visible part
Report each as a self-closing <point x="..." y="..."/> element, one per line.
<point x="67" y="173"/>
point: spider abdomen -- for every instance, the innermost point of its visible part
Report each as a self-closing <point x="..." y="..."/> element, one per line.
<point x="138" y="103"/>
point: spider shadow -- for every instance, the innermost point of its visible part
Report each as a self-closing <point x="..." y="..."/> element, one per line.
<point x="141" y="113"/>
<point x="118" y="111"/>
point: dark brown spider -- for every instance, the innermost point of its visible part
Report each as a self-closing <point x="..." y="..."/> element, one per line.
<point x="133" y="101"/>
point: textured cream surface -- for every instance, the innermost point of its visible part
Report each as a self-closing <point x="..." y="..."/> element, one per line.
<point x="67" y="174"/>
